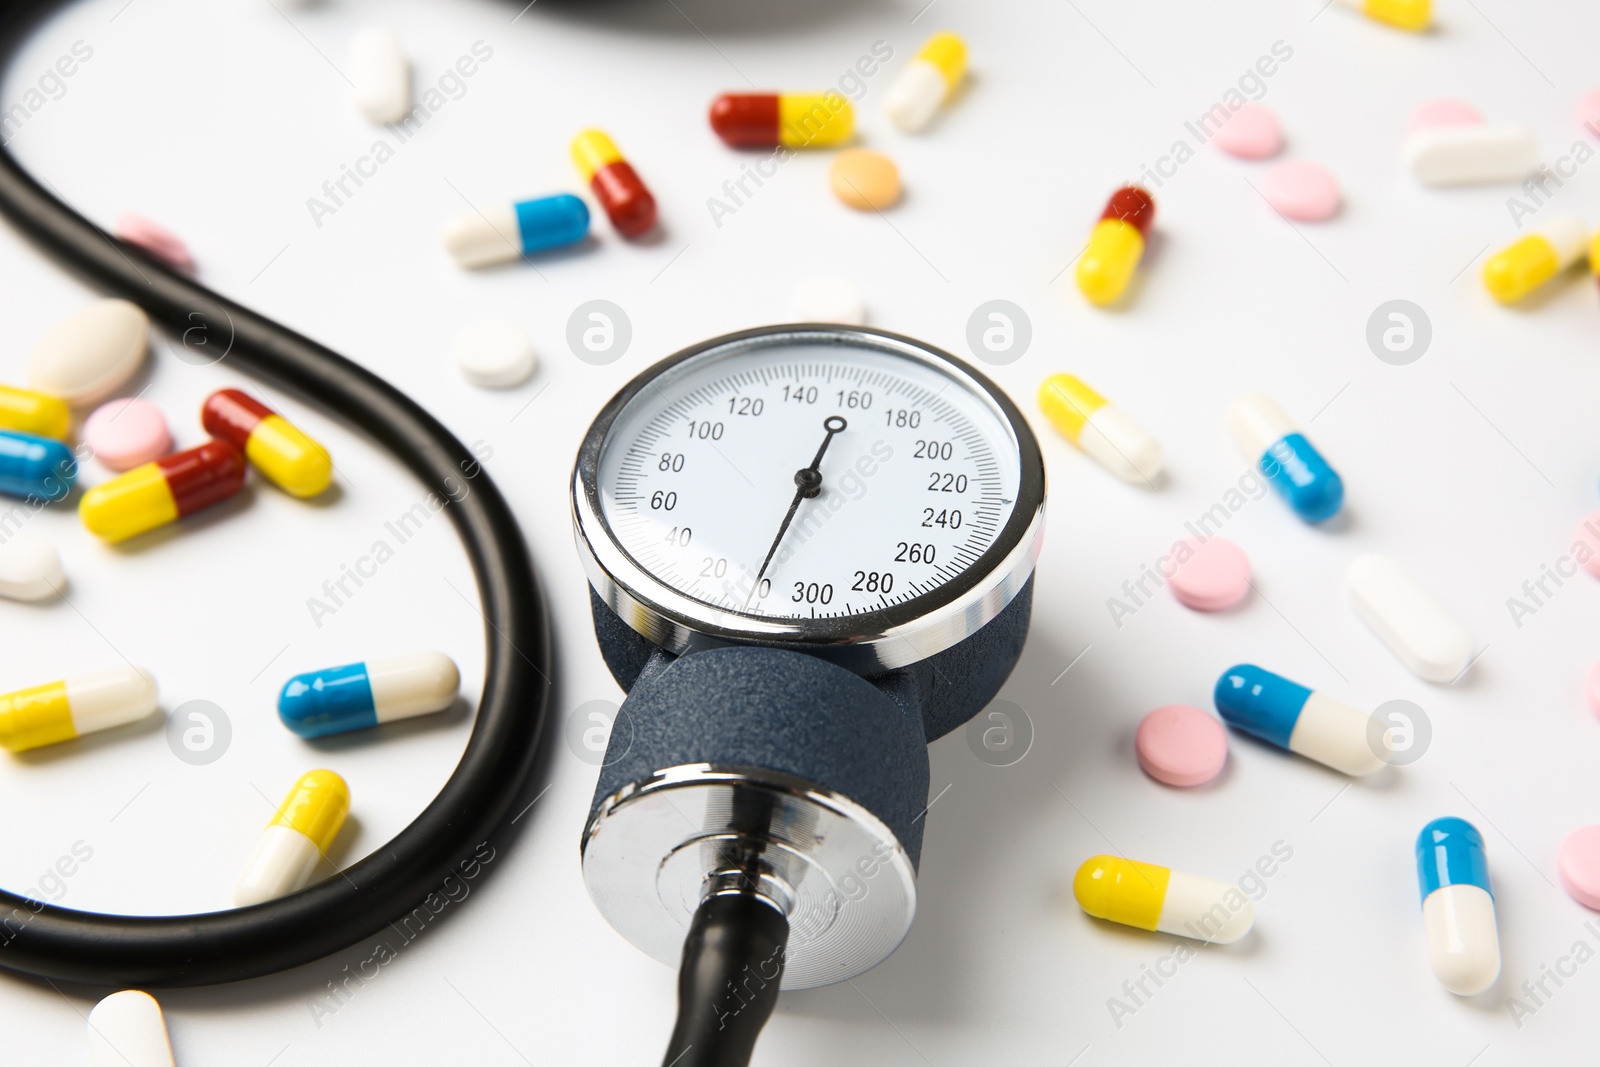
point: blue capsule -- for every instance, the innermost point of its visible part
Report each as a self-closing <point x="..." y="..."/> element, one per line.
<point x="1296" y="470"/>
<point x="499" y="235"/>
<point x="1290" y="716"/>
<point x="361" y="695"/>
<point x="1458" y="906"/>
<point x="35" y="467"/>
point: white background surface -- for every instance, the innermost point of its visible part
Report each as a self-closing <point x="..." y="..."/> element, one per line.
<point x="1473" y="466"/>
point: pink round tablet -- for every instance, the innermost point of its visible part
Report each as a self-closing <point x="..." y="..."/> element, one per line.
<point x="1588" y="535"/>
<point x="155" y="239"/>
<point x="126" y="433"/>
<point x="1306" y="192"/>
<point x="1212" y="575"/>
<point x="1589" y="111"/>
<point x="1252" y="132"/>
<point x="1432" y="113"/>
<point x="1591" y="688"/>
<point x="1181" y="745"/>
<point x="1579" y="864"/>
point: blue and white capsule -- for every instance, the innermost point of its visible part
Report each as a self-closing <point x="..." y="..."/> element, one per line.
<point x="34" y="467"/>
<point x="501" y="234"/>
<point x="358" y="696"/>
<point x="1270" y="439"/>
<point x="1288" y="715"/>
<point x="1458" y="906"/>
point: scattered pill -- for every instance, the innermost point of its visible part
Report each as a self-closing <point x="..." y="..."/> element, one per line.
<point x="495" y="354"/>
<point x="1252" y="132"/>
<point x="297" y="837"/>
<point x="1103" y="432"/>
<point x="499" y="235"/>
<point x="1292" y="717"/>
<point x="1406" y="617"/>
<point x="1526" y="264"/>
<point x="126" y="1029"/>
<point x="1181" y="745"/>
<point x="1587" y="538"/>
<point x="793" y="120"/>
<point x="1442" y="112"/>
<point x="1578" y="862"/>
<point x="1149" y="897"/>
<point x="1592" y="688"/>
<point x="381" y="74"/>
<point x="34" y="467"/>
<point x="1305" y="192"/>
<point x="1411" y="15"/>
<point x="864" y="179"/>
<point x="829" y="298"/>
<point x="614" y="182"/>
<point x="274" y="446"/>
<point x="1457" y="906"/>
<point x="1116" y="244"/>
<point x="91" y="353"/>
<point x="154" y="239"/>
<point x="60" y="711"/>
<point x="1267" y="437"/>
<point x="30" y="567"/>
<point x="1210" y="574"/>
<point x="163" y="491"/>
<point x="917" y="92"/>
<point x="1476" y="153"/>
<point x="362" y="695"/>
<point x="125" y="433"/>
<point x="26" y="411"/>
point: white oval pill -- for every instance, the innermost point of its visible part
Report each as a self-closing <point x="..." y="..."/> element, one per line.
<point x="126" y="1030"/>
<point x="1471" y="154"/>
<point x="495" y="354"/>
<point x="92" y="353"/>
<point x="1415" y="626"/>
<point x="30" y="568"/>
<point x="381" y="74"/>
<point x="829" y="298"/>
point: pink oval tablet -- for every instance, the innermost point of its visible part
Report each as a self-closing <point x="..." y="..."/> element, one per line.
<point x="1299" y="190"/>
<point x="1591" y="687"/>
<point x="1432" y="113"/>
<point x="126" y="433"/>
<point x="1579" y="864"/>
<point x="1251" y="133"/>
<point x="1589" y="111"/>
<point x="1588" y="537"/>
<point x="1181" y="745"/>
<point x="155" y="239"/>
<point x="1213" y="574"/>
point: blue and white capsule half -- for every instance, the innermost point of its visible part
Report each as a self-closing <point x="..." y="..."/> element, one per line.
<point x="1269" y="439"/>
<point x="501" y="234"/>
<point x="35" y="467"/>
<point x="362" y="695"/>
<point x="1291" y="716"/>
<point x="1457" y="906"/>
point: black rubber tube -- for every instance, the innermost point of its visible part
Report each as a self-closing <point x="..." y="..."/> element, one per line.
<point x="76" y="946"/>
<point x="728" y="981"/>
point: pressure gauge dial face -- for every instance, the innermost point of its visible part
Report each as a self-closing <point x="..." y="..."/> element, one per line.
<point x="821" y="485"/>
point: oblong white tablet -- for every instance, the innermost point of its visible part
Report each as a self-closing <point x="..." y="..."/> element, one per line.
<point x="1427" y="638"/>
<point x="92" y="353"/>
<point x="30" y="568"/>
<point x="381" y="74"/>
<point x="1472" y="154"/>
<point x="126" y="1030"/>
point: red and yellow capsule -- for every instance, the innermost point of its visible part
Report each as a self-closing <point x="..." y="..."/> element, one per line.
<point x="274" y="445"/>
<point x="615" y="183"/>
<point x="1116" y="245"/>
<point x="26" y="411"/>
<point x="793" y="120"/>
<point x="163" y="491"/>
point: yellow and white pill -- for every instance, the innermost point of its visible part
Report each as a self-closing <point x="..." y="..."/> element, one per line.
<point x="1159" y="898"/>
<point x="916" y="95"/>
<point x="1104" y="433"/>
<point x="60" y="711"/>
<point x="297" y="837"/>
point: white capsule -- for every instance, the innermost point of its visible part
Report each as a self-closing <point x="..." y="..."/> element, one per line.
<point x="1335" y="735"/>
<point x="1463" y="938"/>
<point x="1205" y="909"/>
<point x="381" y="74"/>
<point x="1474" y="153"/>
<point x="110" y="698"/>
<point x="1257" y="422"/>
<point x="126" y="1029"/>
<point x="484" y="238"/>
<point x="1121" y="446"/>
<point x="92" y="353"/>
<point x="1415" y="626"/>
<point x="30" y="568"/>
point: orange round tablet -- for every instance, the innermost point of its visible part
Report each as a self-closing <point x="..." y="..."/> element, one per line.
<point x="865" y="180"/>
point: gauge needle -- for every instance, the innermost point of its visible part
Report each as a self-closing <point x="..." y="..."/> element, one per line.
<point x="808" y="483"/>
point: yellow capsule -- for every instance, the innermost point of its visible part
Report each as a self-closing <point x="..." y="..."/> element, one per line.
<point x="277" y="448"/>
<point x="948" y="53"/>
<point x="316" y="807"/>
<point x="1149" y="897"/>
<point x="1411" y="15"/>
<point x="163" y="491"/>
<point x="592" y="151"/>
<point x="298" y="836"/>
<point x="26" y="411"/>
<point x="814" y="120"/>
<point x="1116" y="245"/>
<point x="60" y="711"/>
<point x="1520" y="268"/>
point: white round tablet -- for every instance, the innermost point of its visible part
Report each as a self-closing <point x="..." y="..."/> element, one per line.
<point x="30" y="568"/>
<point x="495" y="354"/>
<point x="829" y="298"/>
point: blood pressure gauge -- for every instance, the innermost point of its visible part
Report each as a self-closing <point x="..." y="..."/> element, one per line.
<point x="811" y="550"/>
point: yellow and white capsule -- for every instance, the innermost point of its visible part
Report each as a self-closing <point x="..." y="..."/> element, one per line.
<point x="927" y="82"/>
<point x="1413" y="15"/>
<point x="60" y="711"/>
<point x="1159" y="898"/>
<point x="1520" y="268"/>
<point x="296" y="838"/>
<point x="25" y="411"/>
<point x="1105" y="434"/>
